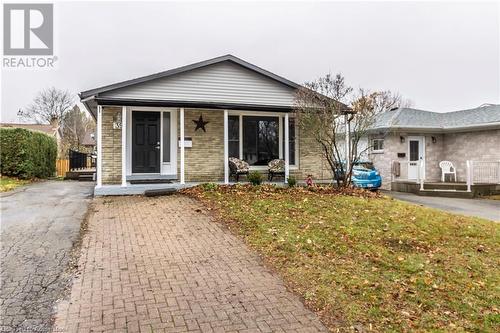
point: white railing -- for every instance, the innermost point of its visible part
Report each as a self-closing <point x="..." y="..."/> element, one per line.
<point x="411" y="171"/>
<point x="482" y="172"/>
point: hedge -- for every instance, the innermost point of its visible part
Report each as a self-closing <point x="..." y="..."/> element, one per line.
<point x="27" y="154"/>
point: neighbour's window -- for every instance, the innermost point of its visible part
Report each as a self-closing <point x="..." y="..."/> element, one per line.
<point x="291" y="138"/>
<point x="234" y="136"/>
<point x="260" y="139"/>
<point x="378" y="145"/>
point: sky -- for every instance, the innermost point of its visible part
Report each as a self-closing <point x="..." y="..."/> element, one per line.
<point x="443" y="56"/>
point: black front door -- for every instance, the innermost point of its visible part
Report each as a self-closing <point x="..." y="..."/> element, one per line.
<point x="145" y="142"/>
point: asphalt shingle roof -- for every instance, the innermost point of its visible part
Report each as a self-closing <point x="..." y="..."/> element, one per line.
<point x="414" y="118"/>
<point x="48" y="129"/>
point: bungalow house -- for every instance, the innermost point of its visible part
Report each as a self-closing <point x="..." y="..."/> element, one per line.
<point x="182" y="125"/>
<point x="407" y="146"/>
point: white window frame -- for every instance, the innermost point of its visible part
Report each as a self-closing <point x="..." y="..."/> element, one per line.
<point x="281" y="135"/>
<point x="372" y="145"/>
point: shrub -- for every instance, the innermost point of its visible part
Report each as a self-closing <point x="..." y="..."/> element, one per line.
<point x="27" y="154"/>
<point x="292" y="181"/>
<point x="255" y="178"/>
<point x="209" y="186"/>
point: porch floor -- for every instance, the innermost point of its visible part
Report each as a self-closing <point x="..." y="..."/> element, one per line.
<point x="445" y="189"/>
<point x="139" y="189"/>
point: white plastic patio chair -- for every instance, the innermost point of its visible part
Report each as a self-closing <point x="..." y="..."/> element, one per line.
<point x="447" y="168"/>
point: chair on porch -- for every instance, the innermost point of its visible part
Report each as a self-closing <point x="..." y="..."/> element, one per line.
<point x="447" y="168"/>
<point x="237" y="167"/>
<point x="275" y="167"/>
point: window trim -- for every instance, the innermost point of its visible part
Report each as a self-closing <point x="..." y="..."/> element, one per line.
<point x="372" y="145"/>
<point x="281" y="135"/>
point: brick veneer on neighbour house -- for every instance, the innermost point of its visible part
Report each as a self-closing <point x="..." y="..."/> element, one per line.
<point x="475" y="146"/>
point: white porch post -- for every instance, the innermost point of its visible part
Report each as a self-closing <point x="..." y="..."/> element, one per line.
<point x="347" y="143"/>
<point x="287" y="149"/>
<point x="467" y="163"/>
<point x="226" y="148"/>
<point x="99" y="146"/>
<point x="124" y="146"/>
<point x="182" y="144"/>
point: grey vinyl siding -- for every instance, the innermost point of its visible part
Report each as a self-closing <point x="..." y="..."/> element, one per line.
<point x="224" y="82"/>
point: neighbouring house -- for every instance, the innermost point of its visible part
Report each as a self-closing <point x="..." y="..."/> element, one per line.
<point x="407" y="145"/>
<point x="53" y="131"/>
<point x="89" y="142"/>
<point x="182" y="126"/>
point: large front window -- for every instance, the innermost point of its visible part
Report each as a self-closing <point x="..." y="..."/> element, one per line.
<point x="259" y="139"/>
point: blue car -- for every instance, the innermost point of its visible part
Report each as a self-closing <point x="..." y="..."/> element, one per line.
<point x="364" y="175"/>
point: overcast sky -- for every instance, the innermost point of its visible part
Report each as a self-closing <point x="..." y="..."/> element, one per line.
<point x="442" y="56"/>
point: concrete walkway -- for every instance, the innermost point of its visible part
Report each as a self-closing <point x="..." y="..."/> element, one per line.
<point x="487" y="209"/>
<point x="39" y="224"/>
<point x="162" y="265"/>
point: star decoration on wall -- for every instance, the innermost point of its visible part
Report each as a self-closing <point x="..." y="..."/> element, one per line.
<point x="200" y="124"/>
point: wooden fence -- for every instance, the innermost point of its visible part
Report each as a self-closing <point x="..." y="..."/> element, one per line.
<point x="62" y="166"/>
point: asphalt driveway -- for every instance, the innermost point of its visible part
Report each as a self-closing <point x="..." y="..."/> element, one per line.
<point x="487" y="209"/>
<point x="39" y="224"/>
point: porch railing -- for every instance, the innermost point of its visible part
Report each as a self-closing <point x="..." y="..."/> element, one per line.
<point x="79" y="160"/>
<point x="401" y="171"/>
<point x="482" y="172"/>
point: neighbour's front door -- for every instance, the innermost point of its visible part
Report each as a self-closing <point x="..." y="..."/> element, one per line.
<point x="145" y="142"/>
<point x="415" y="155"/>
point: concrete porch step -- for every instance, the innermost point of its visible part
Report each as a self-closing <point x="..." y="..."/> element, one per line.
<point x="86" y="178"/>
<point x="446" y="193"/>
<point x="76" y="174"/>
<point x="446" y="186"/>
<point x="150" y="181"/>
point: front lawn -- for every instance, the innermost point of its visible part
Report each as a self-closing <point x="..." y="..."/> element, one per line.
<point x="370" y="261"/>
<point x="9" y="183"/>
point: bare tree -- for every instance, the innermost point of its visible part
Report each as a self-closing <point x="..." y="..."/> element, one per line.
<point x="321" y="108"/>
<point x="75" y="125"/>
<point x="327" y="109"/>
<point x="49" y="106"/>
<point x="380" y="101"/>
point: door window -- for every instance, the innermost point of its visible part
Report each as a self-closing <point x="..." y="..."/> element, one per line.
<point x="414" y="154"/>
<point x="166" y="137"/>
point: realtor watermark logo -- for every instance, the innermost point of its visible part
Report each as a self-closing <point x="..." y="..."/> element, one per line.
<point x="28" y="37"/>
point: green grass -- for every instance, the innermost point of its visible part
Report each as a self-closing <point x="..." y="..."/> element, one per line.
<point x="9" y="183"/>
<point x="371" y="261"/>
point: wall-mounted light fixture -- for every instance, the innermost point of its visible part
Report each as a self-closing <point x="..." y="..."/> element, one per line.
<point x="434" y="139"/>
<point x="402" y="139"/>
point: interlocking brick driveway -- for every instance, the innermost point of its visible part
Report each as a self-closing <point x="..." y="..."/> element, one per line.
<point x="162" y="265"/>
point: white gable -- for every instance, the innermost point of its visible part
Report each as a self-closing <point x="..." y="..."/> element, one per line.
<point x="223" y="82"/>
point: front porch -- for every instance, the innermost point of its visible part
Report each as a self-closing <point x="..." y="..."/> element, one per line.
<point x="447" y="189"/>
<point x="140" y="148"/>
<point x="482" y="178"/>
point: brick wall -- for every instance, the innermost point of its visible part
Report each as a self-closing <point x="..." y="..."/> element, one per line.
<point x="205" y="160"/>
<point x="382" y="161"/>
<point x="478" y="146"/>
<point x="111" y="147"/>
<point x="311" y="160"/>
